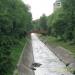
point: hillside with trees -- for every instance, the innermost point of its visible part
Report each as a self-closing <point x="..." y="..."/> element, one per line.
<point x="62" y="21"/>
<point x="15" y="23"/>
<point x="40" y="25"/>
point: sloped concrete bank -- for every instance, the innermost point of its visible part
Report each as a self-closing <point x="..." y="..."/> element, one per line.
<point x="63" y="54"/>
<point x="26" y="60"/>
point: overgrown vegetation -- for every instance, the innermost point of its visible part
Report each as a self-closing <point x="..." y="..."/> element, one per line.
<point x="53" y="41"/>
<point x="62" y="21"/>
<point x="15" y="23"/>
<point x="40" y="25"/>
<point x="61" y="25"/>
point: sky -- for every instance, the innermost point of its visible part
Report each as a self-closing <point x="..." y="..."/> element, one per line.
<point x="40" y="7"/>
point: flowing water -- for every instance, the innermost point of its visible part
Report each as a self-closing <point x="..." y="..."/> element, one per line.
<point x="51" y="65"/>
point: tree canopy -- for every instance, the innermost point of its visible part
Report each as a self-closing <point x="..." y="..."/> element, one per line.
<point x="15" y="23"/>
<point x="62" y="21"/>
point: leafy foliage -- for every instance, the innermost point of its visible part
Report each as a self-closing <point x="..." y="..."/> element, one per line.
<point x="43" y="22"/>
<point x="62" y="21"/>
<point x="15" y="23"/>
<point x="40" y="25"/>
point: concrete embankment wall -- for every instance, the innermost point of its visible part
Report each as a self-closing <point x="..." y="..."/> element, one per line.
<point x="26" y="60"/>
<point x="64" y="55"/>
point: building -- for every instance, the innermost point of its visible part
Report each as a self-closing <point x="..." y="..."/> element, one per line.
<point x="57" y="4"/>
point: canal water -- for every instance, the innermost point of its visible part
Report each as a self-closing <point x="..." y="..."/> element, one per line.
<point x="51" y="65"/>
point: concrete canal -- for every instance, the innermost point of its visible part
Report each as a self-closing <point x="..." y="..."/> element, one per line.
<point x="50" y="63"/>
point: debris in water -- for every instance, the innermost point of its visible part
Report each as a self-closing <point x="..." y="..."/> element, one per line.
<point x="33" y="68"/>
<point x="36" y="64"/>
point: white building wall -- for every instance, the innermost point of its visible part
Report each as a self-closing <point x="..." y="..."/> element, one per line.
<point x="57" y="4"/>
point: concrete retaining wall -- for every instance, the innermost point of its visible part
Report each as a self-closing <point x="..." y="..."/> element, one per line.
<point x="63" y="55"/>
<point x="26" y="61"/>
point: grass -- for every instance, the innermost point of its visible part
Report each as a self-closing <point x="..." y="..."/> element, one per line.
<point x="16" y="52"/>
<point x="54" y="41"/>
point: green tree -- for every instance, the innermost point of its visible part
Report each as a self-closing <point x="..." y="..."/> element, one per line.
<point x="43" y="23"/>
<point x="69" y="9"/>
<point x="62" y="20"/>
<point x="15" y="23"/>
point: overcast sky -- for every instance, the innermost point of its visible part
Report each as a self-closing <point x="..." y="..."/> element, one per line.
<point x="39" y="7"/>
